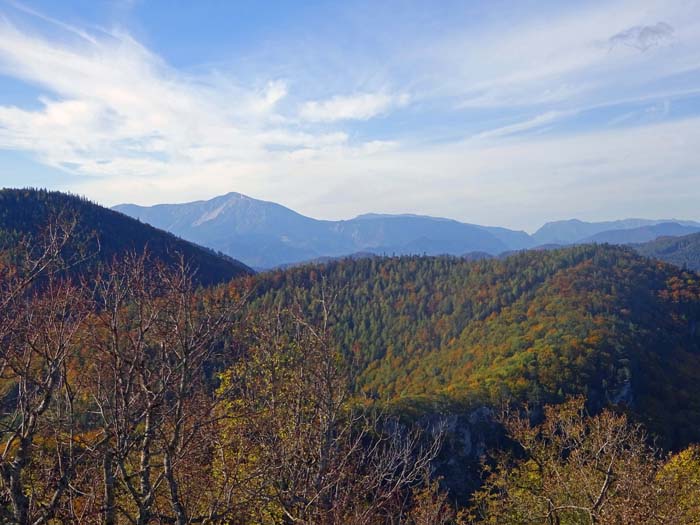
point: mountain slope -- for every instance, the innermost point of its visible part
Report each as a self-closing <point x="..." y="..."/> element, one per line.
<point x="681" y="251"/>
<point x="576" y="231"/>
<point x="537" y="326"/>
<point x="642" y="234"/>
<point x="405" y="234"/>
<point x="265" y="234"/>
<point x="105" y="233"/>
<point x="262" y="234"/>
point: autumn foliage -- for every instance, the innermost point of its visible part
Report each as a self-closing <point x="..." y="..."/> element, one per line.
<point x="131" y="394"/>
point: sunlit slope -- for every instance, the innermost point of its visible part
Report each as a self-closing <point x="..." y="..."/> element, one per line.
<point x="537" y="326"/>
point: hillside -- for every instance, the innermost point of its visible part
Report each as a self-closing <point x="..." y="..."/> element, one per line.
<point x="537" y="326"/>
<point x="265" y="234"/>
<point x="105" y="233"/>
<point x="681" y="251"/>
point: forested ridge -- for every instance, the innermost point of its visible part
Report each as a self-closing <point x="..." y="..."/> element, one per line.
<point x="681" y="251"/>
<point x="538" y="326"/>
<point x="101" y="234"/>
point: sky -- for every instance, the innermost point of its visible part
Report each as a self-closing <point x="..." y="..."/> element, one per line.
<point x="508" y="113"/>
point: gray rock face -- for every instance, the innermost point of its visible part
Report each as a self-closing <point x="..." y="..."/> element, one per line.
<point x="467" y="437"/>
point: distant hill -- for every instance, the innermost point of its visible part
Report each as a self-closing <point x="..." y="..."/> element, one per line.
<point x="681" y="251"/>
<point x="477" y="256"/>
<point x="105" y="233"/>
<point x="264" y="234"/>
<point x="537" y="326"/>
<point x="576" y="231"/>
<point x="642" y="233"/>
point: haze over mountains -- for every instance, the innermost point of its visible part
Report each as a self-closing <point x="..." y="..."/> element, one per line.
<point x="265" y="234"/>
<point x="615" y="232"/>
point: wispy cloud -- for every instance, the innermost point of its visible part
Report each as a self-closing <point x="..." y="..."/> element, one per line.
<point x="533" y="123"/>
<point x="361" y="106"/>
<point x="576" y="56"/>
<point x="112" y="102"/>
<point x="595" y="175"/>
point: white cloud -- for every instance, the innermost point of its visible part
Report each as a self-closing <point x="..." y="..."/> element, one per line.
<point x="138" y="129"/>
<point x="114" y="100"/>
<point x="117" y="114"/>
<point x="360" y="106"/>
<point x="533" y="123"/>
<point x="271" y="95"/>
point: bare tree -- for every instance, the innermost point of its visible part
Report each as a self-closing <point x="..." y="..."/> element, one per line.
<point x="41" y="313"/>
<point x="153" y="335"/>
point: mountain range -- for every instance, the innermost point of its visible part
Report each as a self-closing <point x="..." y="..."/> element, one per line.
<point x="265" y="234"/>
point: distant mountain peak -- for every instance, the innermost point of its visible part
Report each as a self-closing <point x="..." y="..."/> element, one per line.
<point x="235" y="198"/>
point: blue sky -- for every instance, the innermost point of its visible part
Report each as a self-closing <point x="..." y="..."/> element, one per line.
<point x="504" y="113"/>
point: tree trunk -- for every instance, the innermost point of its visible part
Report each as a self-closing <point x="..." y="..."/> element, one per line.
<point x="20" y="503"/>
<point x="180" y="514"/>
<point x="108" y="473"/>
